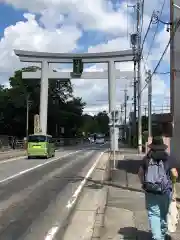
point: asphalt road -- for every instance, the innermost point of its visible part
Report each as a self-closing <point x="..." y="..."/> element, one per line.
<point x="34" y="193"/>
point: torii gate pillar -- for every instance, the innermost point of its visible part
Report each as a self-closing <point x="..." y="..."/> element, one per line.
<point x="44" y="96"/>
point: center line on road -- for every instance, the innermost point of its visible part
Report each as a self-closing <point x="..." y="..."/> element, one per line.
<point x="37" y="166"/>
<point x="53" y="231"/>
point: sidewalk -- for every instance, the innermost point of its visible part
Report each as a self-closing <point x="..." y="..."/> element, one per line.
<point x="116" y="209"/>
<point x="125" y="216"/>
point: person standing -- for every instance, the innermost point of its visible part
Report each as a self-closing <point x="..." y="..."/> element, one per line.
<point x="156" y="173"/>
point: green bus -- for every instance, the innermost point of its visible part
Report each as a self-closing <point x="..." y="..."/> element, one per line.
<point x="39" y="145"/>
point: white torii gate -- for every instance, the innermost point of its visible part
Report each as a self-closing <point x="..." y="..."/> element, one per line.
<point x="111" y="74"/>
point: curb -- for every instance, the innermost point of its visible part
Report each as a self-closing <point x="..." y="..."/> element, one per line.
<point x="62" y="228"/>
<point x="107" y="172"/>
<point x="100" y="215"/>
<point x="59" y="235"/>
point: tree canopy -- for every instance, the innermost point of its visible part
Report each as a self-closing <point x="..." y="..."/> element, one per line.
<point x="96" y="124"/>
<point x="64" y="110"/>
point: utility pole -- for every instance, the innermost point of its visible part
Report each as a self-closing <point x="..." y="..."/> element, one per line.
<point x="121" y="113"/>
<point x="27" y="116"/>
<point x="134" y="44"/>
<point x="139" y="76"/>
<point x="149" y="79"/>
<point x="125" y="112"/>
<point x="135" y="98"/>
<point x="172" y="59"/>
<point x="125" y="105"/>
<point x="145" y="111"/>
<point x="122" y="123"/>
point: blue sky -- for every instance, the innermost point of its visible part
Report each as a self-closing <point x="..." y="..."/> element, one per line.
<point x="90" y="36"/>
<point x="9" y="16"/>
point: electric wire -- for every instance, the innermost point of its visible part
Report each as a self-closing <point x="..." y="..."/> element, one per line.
<point x="147" y="31"/>
<point x="164" y="52"/>
<point x="155" y="32"/>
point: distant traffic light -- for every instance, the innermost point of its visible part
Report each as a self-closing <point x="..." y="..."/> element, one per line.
<point x="77" y="66"/>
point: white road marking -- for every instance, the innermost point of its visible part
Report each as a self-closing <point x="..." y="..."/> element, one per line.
<point x="78" y="190"/>
<point x="37" y="166"/>
<point x="52" y="232"/>
<point x="12" y="159"/>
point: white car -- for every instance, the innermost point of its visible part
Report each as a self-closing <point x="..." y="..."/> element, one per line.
<point x="100" y="140"/>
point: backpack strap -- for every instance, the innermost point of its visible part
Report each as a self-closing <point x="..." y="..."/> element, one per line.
<point x="148" y="157"/>
<point x="146" y="160"/>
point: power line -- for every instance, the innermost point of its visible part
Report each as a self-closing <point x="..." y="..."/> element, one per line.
<point x="155" y="32"/>
<point x="145" y="69"/>
<point x="142" y="6"/>
<point x="164" y="52"/>
<point x="162" y="73"/>
<point x="147" y="31"/>
<point x="151" y="20"/>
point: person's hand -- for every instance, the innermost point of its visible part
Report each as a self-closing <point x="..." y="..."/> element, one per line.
<point x="173" y="197"/>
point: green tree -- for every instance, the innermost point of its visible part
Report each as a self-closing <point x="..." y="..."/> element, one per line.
<point x="96" y="124"/>
<point x="103" y="121"/>
<point x="64" y="110"/>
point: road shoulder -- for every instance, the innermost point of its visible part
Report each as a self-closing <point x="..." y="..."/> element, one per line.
<point x="88" y="212"/>
<point x="12" y="154"/>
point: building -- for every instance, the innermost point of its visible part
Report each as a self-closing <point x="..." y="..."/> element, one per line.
<point x="162" y="124"/>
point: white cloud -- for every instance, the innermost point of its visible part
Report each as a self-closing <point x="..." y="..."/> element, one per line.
<point x="119" y="43"/>
<point x="91" y="15"/>
<point x="29" y="35"/>
<point x="51" y="18"/>
<point x="162" y="40"/>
